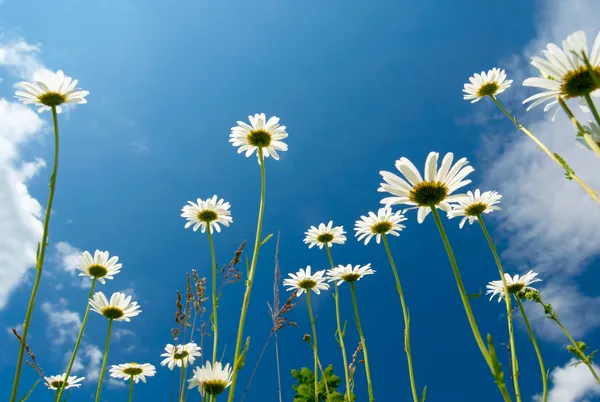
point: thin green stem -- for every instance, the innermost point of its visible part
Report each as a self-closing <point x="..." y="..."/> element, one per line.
<point x="592" y="106"/>
<point x="537" y="351"/>
<point x="102" y="371"/>
<point x="214" y="296"/>
<point x="76" y="348"/>
<point x="314" y="342"/>
<point x="340" y="332"/>
<point x="363" y="342"/>
<point x="182" y="384"/>
<point x="250" y="280"/>
<point x="39" y="263"/>
<point x="411" y="373"/>
<point x="509" y="317"/>
<point x="131" y="389"/>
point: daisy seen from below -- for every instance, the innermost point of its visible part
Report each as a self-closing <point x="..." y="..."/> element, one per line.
<point x="304" y="281"/>
<point x="55" y="382"/>
<point x="211" y="379"/>
<point x="50" y="90"/>
<point x="435" y="191"/>
<point x="100" y="266"/>
<point x="486" y="84"/>
<point x="515" y="284"/>
<point x="475" y="204"/>
<point x="325" y="235"/>
<point x="384" y="223"/>
<point x="348" y="273"/>
<point x="118" y="308"/>
<point x="180" y="355"/>
<point x="262" y="135"/>
<point x="207" y="212"/>
<point x="132" y="371"/>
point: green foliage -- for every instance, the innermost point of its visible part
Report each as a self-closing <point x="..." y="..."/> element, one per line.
<point x="305" y="389"/>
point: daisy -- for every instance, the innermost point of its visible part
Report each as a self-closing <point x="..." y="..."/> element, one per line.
<point x="515" y="284"/>
<point x="325" y="235"/>
<point x="119" y="308"/>
<point x="564" y="72"/>
<point x="385" y="222"/>
<point x="304" y="281"/>
<point x="49" y="90"/>
<point x="594" y="131"/>
<point x="435" y="190"/>
<point x="55" y="382"/>
<point x="98" y="267"/>
<point x="475" y="204"/>
<point x="263" y="134"/>
<point x="348" y="273"/>
<point x="490" y="84"/>
<point x="132" y="370"/>
<point x="211" y="380"/>
<point x="180" y="355"/>
<point x="209" y="212"/>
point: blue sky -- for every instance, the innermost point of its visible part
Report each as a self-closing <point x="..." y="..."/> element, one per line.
<point x="358" y="86"/>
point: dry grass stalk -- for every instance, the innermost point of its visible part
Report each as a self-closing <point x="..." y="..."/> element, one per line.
<point x="352" y="365"/>
<point x="230" y="273"/>
<point x="34" y="364"/>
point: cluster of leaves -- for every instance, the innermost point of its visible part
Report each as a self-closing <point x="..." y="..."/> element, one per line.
<point x="305" y="389"/>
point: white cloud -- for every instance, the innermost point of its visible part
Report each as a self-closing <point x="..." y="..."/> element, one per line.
<point x="88" y="362"/>
<point x="64" y="323"/>
<point x="20" y="57"/>
<point x="572" y="384"/>
<point x="120" y="333"/>
<point x="68" y="256"/>
<point x="114" y="383"/>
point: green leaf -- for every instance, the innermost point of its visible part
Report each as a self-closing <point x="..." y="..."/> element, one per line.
<point x="31" y="390"/>
<point x="242" y="359"/>
<point x="496" y="366"/>
<point x="569" y="172"/>
<point x="476" y="295"/>
<point x="424" y="394"/>
<point x="266" y="239"/>
<point x="247" y="267"/>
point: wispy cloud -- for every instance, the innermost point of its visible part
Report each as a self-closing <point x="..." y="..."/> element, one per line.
<point x="64" y="324"/>
<point x="20" y="57"/>
<point x="572" y="384"/>
<point x="68" y="256"/>
<point x="88" y="362"/>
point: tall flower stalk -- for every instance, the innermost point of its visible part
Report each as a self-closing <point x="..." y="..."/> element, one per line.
<point x="363" y="342"/>
<point x="314" y="345"/>
<point x="214" y="298"/>
<point x="581" y="131"/>
<point x="131" y="389"/>
<point x="104" y="360"/>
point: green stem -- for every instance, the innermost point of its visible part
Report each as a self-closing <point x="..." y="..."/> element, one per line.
<point x="592" y="106"/>
<point x="411" y="373"/>
<point x="39" y="263"/>
<point x="214" y="296"/>
<point x="341" y="333"/>
<point x="131" y="389"/>
<point x="249" y="282"/>
<point x="76" y="348"/>
<point x="363" y="342"/>
<point x="465" y="301"/>
<point x="509" y="318"/>
<point x="182" y="384"/>
<point x="110" y="322"/>
<point x="537" y="350"/>
<point x="315" y="347"/>
<point x="581" y="131"/>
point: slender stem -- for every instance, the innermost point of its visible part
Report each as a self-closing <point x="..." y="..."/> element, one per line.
<point x="131" y="389"/>
<point x="509" y="318"/>
<point x="411" y="373"/>
<point x="552" y="156"/>
<point x="315" y="347"/>
<point x="465" y="301"/>
<point x="76" y="348"/>
<point x="182" y="384"/>
<point x="214" y="297"/>
<point x="39" y="263"/>
<point x="250" y="280"/>
<point x="278" y="366"/>
<point x="580" y="130"/>
<point x="110" y="322"/>
<point x="363" y="342"/>
<point x="537" y="350"/>
<point x="341" y="333"/>
<point x="592" y="106"/>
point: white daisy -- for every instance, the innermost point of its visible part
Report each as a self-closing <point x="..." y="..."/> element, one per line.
<point x="211" y="380"/>
<point x="594" y="132"/>
<point x="434" y="190"/>
<point x="100" y="266"/>
<point x="385" y="222"/>
<point x="348" y="273"/>
<point x="475" y="204"/>
<point x="267" y="135"/>
<point x="490" y="84"/>
<point x="55" y="382"/>
<point x="304" y="281"/>
<point x="128" y="370"/>
<point x="564" y="73"/>
<point x="207" y="212"/>
<point x="325" y="235"/>
<point x="180" y="355"/>
<point x="119" y="308"/>
<point x="515" y="284"/>
<point x="50" y="89"/>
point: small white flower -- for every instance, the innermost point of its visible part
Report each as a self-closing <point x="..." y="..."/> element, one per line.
<point x="435" y="190"/>
<point x="50" y="89"/>
<point x="55" y="382"/>
<point x="267" y="135"/>
<point x="490" y="84"/>
<point x="303" y="281"/>
<point x="207" y="212"/>
<point x="180" y="355"/>
<point x="384" y="223"/>
<point x="325" y="235"/>
<point x="348" y="273"/>
<point x="119" y="308"/>
<point x="475" y="204"/>
<point x="211" y="380"/>
<point x="594" y="132"/>
<point x="100" y="266"/>
<point x="515" y="284"/>
<point x="128" y="370"/>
